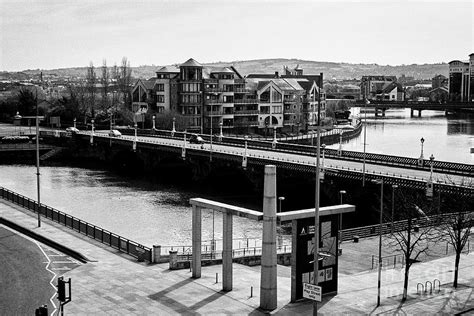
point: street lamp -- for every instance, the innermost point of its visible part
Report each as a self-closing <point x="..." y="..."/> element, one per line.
<point x="339" y="152"/>
<point x="154" y="122"/>
<point x="244" y="158"/>
<point x="92" y="131"/>
<point x="422" y="140"/>
<point x="341" y="193"/>
<point x="316" y="205"/>
<point x="365" y="136"/>
<point x="274" y="137"/>
<point x="380" y="181"/>
<point x="431" y="166"/>
<point x="221" y="135"/>
<point x="280" y="199"/>
<point x="74" y="121"/>
<point x="394" y="187"/>
<point x="136" y="138"/>
<point x="174" y="129"/>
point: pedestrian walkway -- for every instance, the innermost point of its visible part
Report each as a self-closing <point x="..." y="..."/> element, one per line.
<point x="113" y="283"/>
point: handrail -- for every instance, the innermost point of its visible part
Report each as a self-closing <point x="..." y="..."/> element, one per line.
<point x="123" y="244"/>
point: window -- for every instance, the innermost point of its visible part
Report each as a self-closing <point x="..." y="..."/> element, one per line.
<point x="276" y="96"/>
<point x="160" y="98"/>
<point x="160" y="87"/>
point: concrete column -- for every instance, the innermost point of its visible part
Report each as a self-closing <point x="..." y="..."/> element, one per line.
<point x="268" y="272"/>
<point x="156" y="253"/>
<point x="227" y="252"/>
<point x="196" y="264"/>
<point x="419" y="113"/>
<point x="411" y="112"/>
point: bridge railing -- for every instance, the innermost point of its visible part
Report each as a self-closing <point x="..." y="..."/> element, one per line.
<point x="115" y="241"/>
<point x="382" y="159"/>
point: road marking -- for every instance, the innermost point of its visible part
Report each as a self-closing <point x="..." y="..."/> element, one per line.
<point x="51" y="281"/>
<point x="63" y="268"/>
<point x="62" y="262"/>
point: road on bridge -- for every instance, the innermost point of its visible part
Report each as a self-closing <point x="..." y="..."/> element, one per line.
<point x="305" y="159"/>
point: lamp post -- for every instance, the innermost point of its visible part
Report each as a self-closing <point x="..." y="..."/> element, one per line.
<point x="174" y="129"/>
<point x="154" y="122"/>
<point x="339" y="152"/>
<point x="365" y="136"/>
<point x="38" y="188"/>
<point x="92" y="131"/>
<point x="213" y="241"/>
<point x="221" y="135"/>
<point x="280" y="199"/>
<point x="210" y="151"/>
<point x="394" y="187"/>
<point x="136" y="138"/>
<point x="341" y="193"/>
<point x="274" y="137"/>
<point x="431" y="166"/>
<point x="244" y="158"/>
<point x="74" y="122"/>
<point x="321" y="175"/>
<point x="380" y="181"/>
<point x="422" y="140"/>
<point x="316" y="205"/>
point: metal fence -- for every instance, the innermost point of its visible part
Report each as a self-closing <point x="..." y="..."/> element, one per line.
<point x="97" y="233"/>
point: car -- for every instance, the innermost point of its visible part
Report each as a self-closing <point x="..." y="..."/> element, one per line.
<point x="72" y="130"/>
<point x="115" y="133"/>
<point x="196" y="139"/>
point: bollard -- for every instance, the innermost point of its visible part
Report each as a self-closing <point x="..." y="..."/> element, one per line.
<point x="251" y="291"/>
<point x="446" y="248"/>
<point x="217" y="278"/>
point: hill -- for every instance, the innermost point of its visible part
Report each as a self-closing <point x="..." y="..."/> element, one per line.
<point x="330" y="70"/>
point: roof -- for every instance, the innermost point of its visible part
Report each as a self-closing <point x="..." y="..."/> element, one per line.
<point x="439" y="76"/>
<point x="221" y="70"/>
<point x="168" y="69"/>
<point x="262" y="83"/>
<point x="149" y="84"/>
<point x="191" y="63"/>
<point x="298" y="67"/>
<point x="261" y="76"/>
<point x="440" y="88"/>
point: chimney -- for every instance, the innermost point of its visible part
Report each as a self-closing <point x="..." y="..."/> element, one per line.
<point x="276" y="74"/>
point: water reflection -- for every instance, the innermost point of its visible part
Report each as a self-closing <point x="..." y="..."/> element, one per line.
<point x="446" y="137"/>
<point x="136" y="209"/>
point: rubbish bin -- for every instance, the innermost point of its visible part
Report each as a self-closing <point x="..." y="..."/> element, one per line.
<point x="355" y="238"/>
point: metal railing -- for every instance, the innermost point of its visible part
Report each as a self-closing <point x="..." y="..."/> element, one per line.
<point x="115" y="241"/>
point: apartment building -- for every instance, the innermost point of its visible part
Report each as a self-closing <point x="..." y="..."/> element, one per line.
<point x="382" y="88"/>
<point x="461" y="80"/>
<point x="214" y="97"/>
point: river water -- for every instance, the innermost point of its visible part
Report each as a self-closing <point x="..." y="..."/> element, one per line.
<point x="151" y="213"/>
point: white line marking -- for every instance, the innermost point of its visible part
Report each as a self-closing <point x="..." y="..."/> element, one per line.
<point x="62" y="262"/>
<point x="54" y="276"/>
<point x="63" y="268"/>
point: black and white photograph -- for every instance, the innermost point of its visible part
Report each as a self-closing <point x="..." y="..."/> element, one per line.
<point x="212" y="157"/>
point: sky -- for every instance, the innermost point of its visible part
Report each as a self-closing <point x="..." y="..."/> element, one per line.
<point x="49" y="34"/>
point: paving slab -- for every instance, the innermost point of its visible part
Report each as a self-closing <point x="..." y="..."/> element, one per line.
<point x="117" y="284"/>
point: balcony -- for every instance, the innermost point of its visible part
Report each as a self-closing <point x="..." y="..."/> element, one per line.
<point x="213" y="101"/>
<point x="246" y="112"/>
<point x="245" y="101"/>
<point x="213" y="114"/>
<point x="240" y="90"/>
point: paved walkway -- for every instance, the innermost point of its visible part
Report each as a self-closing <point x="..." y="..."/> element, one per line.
<point x="115" y="284"/>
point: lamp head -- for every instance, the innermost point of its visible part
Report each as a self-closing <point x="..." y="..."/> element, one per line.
<point x="432" y="157"/>
<point x="422" y="140"/>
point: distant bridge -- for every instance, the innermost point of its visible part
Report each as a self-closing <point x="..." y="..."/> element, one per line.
<point x="419" y="106"/>
<point x="448" y="177"/>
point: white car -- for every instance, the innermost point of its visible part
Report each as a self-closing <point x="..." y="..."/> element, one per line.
<point x="115" y="133"/>
<point x="72" y="130"/>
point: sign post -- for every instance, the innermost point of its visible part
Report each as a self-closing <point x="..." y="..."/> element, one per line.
<point x="311" y="291"/>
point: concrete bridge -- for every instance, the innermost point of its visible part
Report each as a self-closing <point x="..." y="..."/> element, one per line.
<point x="447" y="177"/>
<point x="449" y="107"/>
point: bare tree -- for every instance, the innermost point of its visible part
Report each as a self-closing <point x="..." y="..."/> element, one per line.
<point x="91" y="80"/>
<point x="124" y="81"/>
<point x="411" y="242"/>
<point x="457" y="228"/>
<point x="105" y="82"/>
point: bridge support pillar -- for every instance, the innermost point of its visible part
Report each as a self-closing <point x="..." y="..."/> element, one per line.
<point x="196" y="231"/>
<point x="419" y="113"/>
<point x="383" y="112"/>
<point x="376" y="112"/>
<point x="411" y="112"/>
<point x="268" y="272"/>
